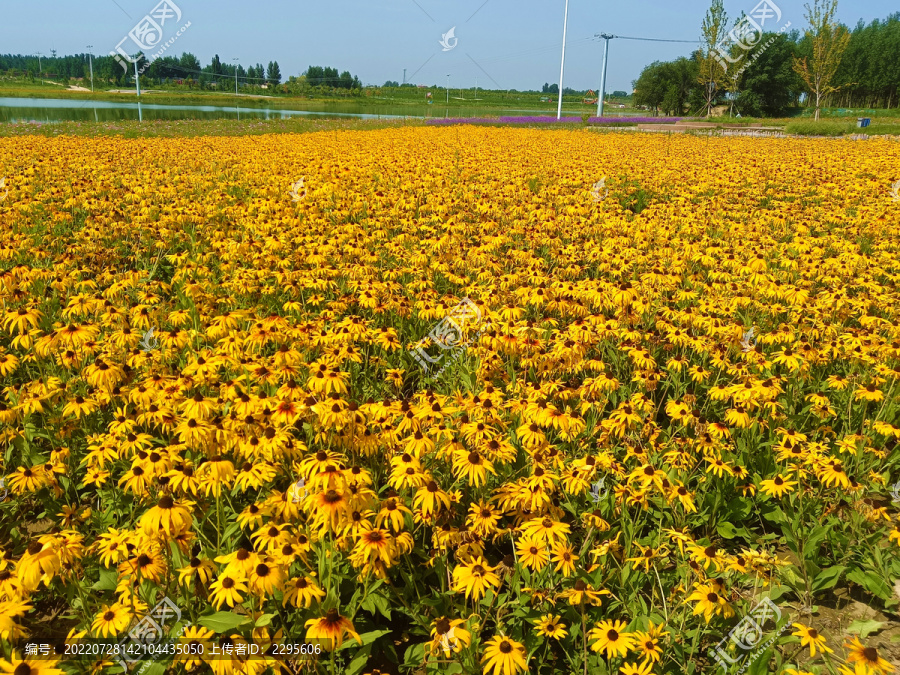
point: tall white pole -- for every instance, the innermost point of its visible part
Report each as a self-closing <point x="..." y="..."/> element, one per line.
<point x="91" y="60"/>
<point x="236" y="105"/>
<point x="137" y="77"/>
<point x="562" y="63"/>
<point x="603" y="75"/>
<point x="448" y="88"/>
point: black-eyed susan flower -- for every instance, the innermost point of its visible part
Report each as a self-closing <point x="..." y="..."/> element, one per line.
<point x="302" y="592"/>
<point x="777" y="486"/>
<point x="611" y="638"/>
<point x="475" y="579"/>
<point x="331" y="630"/>
<point x="448" y="636"/>
<point x="551" y="626"/>
<point x="810" y="637"/>
<point x="867" y="657"/>
<point x="709" y="602"/>
<point x="28" y="665"/>
<point x="503" y="656"/>
<point x="168" y="515"/>
<point x="227" y="590"/>
<point x="111" y="620"/>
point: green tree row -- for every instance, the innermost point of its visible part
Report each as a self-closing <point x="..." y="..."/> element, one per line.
<point x="768" y="78"/>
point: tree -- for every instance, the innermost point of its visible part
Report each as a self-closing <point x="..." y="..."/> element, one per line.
<point x="829" y="41"/>
<point x="712" y="76"/>
<point x="273" y="74"/>
<point x="672" y="82"/>
<point x="769" y="84"/>
<point x="619" y="94"/>
<point x="670" y="103"/>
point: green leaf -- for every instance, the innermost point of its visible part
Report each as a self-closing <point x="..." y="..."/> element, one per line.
<point x="365" y="638"/>
<point x="415" y="655"/>
<point x="791" y="577"/>
<point x="872" y="583"/>
<point x="107" y="580"/>
<point x="775" y="515"/>
<point x="359" y="661"/>
<point x="264" y="620"/>
<point x="154" y="669"/>
<point x="811" y="543"/>
<point x="221" y="622"/>
<point x="381" y="603"/>
<point x="739" y="509"/>
<point x="828" y="578"/>
<point x="726" y="530"/>
<point x="760" y="665"/>
<point x="864" y="628"/>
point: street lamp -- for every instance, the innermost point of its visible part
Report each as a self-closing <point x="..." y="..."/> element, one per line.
<point x="91" y="59"/>
<point x="562" y="62"/>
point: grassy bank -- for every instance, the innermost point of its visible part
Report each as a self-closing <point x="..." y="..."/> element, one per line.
<point x="192" y="128"/>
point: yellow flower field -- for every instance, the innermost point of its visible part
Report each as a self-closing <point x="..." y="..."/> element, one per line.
<point x="448" y="400"/>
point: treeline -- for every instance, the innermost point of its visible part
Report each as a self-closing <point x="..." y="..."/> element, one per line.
<point x="767" y="84"/>
<point x="185" y="69"/>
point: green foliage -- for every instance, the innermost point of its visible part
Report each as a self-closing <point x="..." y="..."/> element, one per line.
<point x="820" y="128"/>
<point x="769" y="85"/>
<point x="666" y="83"/>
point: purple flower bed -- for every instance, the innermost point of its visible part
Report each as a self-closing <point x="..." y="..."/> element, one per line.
<point x="547" y="119"/>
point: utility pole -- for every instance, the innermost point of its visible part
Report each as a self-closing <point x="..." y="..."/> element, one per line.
<point x="137" y="76"/>
<point x="448" y="88"/>
<point x="404" y="76"/>
<point x="91" y="60"/>
<point x="236" y="64"/>
<point x="40" y="68"/>
<point x="607" y="37"/>
<point x="562" y="63"/>
<point x="476" y="88"/>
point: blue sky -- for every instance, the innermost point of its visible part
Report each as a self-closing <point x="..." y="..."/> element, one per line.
<point x="503" y="43"/>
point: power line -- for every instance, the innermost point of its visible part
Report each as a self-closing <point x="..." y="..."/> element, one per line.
<point x="623" y="37"/>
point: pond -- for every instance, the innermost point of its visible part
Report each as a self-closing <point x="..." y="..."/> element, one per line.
<point x="65" y="110"/>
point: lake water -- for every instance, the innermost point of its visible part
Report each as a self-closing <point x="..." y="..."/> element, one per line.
<point x="65" y="110"/>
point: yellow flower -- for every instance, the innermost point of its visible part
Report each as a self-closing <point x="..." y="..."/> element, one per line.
<point x="777" y="487"/>
<point x="610" y="638"/>
<point x="503" y="656"/>
<point x="810" y="637"/>
<point x="550" y="626"/>
<point x="330" y="630"/>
